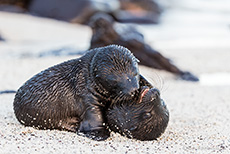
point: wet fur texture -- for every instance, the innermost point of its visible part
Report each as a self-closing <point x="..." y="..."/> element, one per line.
<point x="73" y="95"/>
<point x="145" y="120"/>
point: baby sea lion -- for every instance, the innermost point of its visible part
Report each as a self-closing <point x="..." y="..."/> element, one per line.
<point x="73" y="95"/>
<point x="106" y="32"/>
<point x="143" y="117"/>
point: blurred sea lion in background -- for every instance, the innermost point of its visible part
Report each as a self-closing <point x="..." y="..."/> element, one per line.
<point x="80" y="11"/>
<point x="106" y="32"/>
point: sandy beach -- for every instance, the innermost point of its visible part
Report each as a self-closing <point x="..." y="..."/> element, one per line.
<point x="196" y="39"/>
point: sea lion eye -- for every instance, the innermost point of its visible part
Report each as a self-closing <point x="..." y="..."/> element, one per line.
<point x="147" y="115"/>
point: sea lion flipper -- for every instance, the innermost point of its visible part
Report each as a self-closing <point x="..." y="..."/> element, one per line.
<point x="93" y="129"/>
<point x="188" y="76"/>
<point x="93" y="123"/>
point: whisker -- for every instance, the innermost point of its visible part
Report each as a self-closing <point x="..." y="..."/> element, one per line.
<point x="155" y="80"/>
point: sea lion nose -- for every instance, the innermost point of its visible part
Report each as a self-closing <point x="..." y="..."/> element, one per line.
<point x="130" y="85"/>
<point x="130" y="91"/>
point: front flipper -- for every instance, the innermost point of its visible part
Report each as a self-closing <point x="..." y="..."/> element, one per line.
<point x="93" y="124"/>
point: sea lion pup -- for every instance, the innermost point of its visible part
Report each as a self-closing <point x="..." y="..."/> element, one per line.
<point x="72" y="95"/>
<point x="143" y="117"/>
<point x="106" y="32"/>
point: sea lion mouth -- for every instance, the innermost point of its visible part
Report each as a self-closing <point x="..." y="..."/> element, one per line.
<point x="143" y="93"/>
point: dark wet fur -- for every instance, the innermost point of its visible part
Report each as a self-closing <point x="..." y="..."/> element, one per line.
<point x="73" y="95"/>
<point x="142" y="121"/>
<point x="106" y="32"/>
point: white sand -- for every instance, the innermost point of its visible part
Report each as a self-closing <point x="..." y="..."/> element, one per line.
<point x="199" y="112"/>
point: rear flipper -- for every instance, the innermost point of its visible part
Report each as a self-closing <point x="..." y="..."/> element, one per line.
<point x="188" y="76"/>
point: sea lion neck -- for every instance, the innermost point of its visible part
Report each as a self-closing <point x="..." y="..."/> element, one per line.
<point x="94" y="86"/>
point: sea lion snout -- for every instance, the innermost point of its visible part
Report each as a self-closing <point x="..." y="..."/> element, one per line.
<point x="130" y="88"/>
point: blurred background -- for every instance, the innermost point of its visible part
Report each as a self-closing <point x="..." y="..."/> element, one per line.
<point x="193" y="34"/>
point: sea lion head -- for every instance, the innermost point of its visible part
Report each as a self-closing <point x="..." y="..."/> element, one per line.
<point x="101" y="20"/>
<point x="114" y="70"/>
<point x="143" y="118"/>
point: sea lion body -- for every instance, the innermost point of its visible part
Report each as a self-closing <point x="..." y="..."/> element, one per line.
<point x="73" y="95"/>
<point x="143" y="117"/>
<point x="106" y="31"/>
